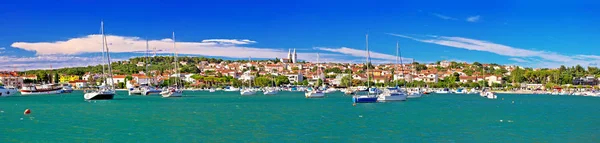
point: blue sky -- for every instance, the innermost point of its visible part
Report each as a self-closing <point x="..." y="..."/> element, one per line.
<point x="36" y="34"/>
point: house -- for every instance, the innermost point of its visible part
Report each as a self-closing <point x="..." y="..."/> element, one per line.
<point x="7" y="79"/>
<point x="493" y="79"/>
<point x="465" y="79"/>
<point x="67" y="78"/>
<point x="140" y="64"/>
<point x="588" y="80"/>
<point x="247" y="76"/>
<point x="405" y="77"/>
<point x="431" y="78"/>
<point x="117" y="79"/>
<point x="361" y="77"/>
<point x="444" y="63"/>
<point x="142" y="79"/>
<point x="295" y="78"/>
<point x="338" y="79"/>
<point x="380" y="79"/>
<point x="78" y="84"/>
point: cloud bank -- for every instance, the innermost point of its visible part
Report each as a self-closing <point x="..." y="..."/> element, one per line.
<point x="72" y="52"/>
<point x="522" y="56"/>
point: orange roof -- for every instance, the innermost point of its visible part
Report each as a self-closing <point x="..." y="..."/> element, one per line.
<point x="118" y="76"/>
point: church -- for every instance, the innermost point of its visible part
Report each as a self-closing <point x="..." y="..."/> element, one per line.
<point x="291" y="58"/>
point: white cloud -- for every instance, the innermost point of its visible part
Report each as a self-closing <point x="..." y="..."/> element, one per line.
<point x="546" y="59"/>
<point x="518" y="60"/>
<point x="363" y="53"/>
<point x="229" y="41"/>
<point x="74" y="50"/>
<point x="443" y="16"/>
<point x="474" y="18"/>
<point x="2" y="48"/>
<point x="45" y="62"/>
<point x="121" y="44"/>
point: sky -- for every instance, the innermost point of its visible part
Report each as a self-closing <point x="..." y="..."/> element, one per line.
<point x="66" y="33"/>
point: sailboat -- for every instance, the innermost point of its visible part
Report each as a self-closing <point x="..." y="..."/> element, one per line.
<point x="250" y="90"/>
<point x="366" y="98"/>
<point x="271" y="90"/>
<point x="106" y="91"/>
<point x="148" y="88"/>
<point x="316" y="92"/>
<point x="394" y="94"/>
<point x="174" y="91"/>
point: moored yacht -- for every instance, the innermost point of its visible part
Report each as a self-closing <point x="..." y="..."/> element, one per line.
<point x="368" y="98"/>
<point x="315" y="93"/>
<point x="8" y="90"/>
<point x="41" y="89"/>
<point x="174" y="91"/>
<point x="392" y="94"/>
<point x="148" y="90"/>
<point x="104" y="92"/>
<point x="247" y="91"/>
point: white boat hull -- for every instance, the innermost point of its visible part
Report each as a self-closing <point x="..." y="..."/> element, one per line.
<point x="270" y="92"/>
<point x="42" y="93"/>
<point x="167" y="94"/>
<point x="314" y="95"/>
<point x="414" y="95"/>
<point x="399" y="97"/>
<point x="247" y="92"/>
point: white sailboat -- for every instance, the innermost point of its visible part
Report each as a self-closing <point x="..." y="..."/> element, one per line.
<point x="316" y="92"/>
<point x="250" y="90"/>
<point x="174" y="91"/>
<point x="271" y="90"/>
<point x="148" y="88"/>
<point x="394" y="94"/>
<point x="107" y="91"/>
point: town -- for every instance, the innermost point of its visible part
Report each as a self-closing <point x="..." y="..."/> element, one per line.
<point x="201" y="72"/>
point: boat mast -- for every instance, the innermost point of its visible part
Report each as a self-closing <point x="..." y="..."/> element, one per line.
<point x="318" y="69"/>
<point x="176" y="65"/>
<point x="367" y="64"/>
<point x="103" y="56"/>
<point x="108" y="61"/>
<point x="399" y="56"/>
<point x="396" y="67"/>
<point x="147" y="61"/>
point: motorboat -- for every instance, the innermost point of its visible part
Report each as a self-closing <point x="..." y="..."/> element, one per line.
<point x="230" y="89"/>
<point x="330" y="90"/>
<point x="488" y="94"/>
<point x="41" y="89"/>
<point x="8" y="91"/>
<point x="316" y="93"/>
<point x="392" y="94"/>
<point x="443" y="91"/>
<point x="148" y="90"/>
<point x="375" y="91"/>
<point x="135" y="90"/>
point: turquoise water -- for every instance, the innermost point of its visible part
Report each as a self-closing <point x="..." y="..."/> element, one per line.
<point x="289" y="117"/>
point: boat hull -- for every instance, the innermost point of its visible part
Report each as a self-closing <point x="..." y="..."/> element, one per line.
<point x="270" y="92"/>
<point x="358" y="99"/>
<point x="99" y="96"/>
<point x="56" y="91"/>
<point x="247" y="93"/>
<point x="314" y="95"/>
<point x="392" y="98"/>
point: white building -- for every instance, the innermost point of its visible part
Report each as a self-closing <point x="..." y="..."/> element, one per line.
<point x="493" y="79"/>
<point x="247" y="76"/>
<point x="293" y="78"/>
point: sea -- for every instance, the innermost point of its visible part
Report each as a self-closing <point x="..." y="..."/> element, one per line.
<point x="289" y="117"/>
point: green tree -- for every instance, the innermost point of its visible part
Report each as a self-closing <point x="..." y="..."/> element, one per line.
<point x="347" y="81"/>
